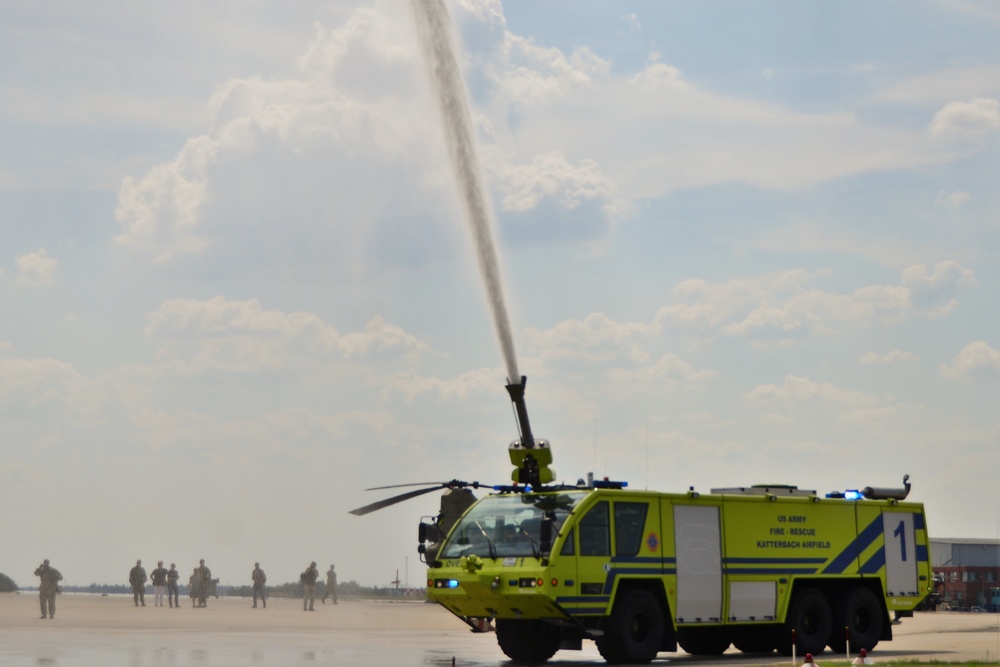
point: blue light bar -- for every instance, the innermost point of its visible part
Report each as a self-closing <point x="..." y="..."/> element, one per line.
<point x="453" y="583"/>
<point x="852" y="494"/>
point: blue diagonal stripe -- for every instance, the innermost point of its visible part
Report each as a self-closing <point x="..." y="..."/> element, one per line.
<point x="851" y="552"/>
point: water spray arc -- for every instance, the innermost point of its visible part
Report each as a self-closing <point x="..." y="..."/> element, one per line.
<point x="530" y="457"/>
<point x="437" y="43"/>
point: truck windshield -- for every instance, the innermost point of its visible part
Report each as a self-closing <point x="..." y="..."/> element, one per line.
<point x="509" y="525"/>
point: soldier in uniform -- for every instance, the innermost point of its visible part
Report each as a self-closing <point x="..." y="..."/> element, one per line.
<point x="206" y="581"/>
<point x="309" y="578"/>
<point x="172" y="576"/>
<point x="259" y="579"/>
<point x="47" y="588"/>
<point x="331" y="585"/>
<point x="137" y="577"/>
<point x="159" y="579"/>
<point x="194" y="587"/>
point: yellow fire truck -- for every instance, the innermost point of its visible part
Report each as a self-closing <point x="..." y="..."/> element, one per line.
<point x="761" y="568"/>
<point x="643" y="572"/>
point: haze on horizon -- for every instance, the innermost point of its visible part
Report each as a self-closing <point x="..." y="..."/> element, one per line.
<point x="742" y="243"/>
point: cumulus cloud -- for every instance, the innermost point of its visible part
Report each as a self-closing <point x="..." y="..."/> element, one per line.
<point x="873" y="358"/>
<point x="410" y="385"/>
<point x="551" y="175"/>
<point x="596" y="338"/>
<point x="977" y="359"/>
<point x="936" y="291"/>
<point x="36" y="268"/>
<point x="800" y="389"/>
<point x="241" y="336"/>
<point x="976" y="117"/>
<point x="789" y="305"/>
<point x="953" y="199"/>
<point x="667" y="367"/>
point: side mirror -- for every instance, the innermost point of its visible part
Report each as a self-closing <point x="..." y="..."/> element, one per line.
<point x="545" y="535"/>
<point x="422" y="534"/>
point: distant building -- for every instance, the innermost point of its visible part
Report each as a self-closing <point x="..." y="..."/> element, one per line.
<point x="968" y="571"/>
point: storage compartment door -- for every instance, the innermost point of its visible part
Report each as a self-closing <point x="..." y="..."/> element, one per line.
<point x="699" y="563"/>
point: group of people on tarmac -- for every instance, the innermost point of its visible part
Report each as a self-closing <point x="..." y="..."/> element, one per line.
<point x="199" y="585"/>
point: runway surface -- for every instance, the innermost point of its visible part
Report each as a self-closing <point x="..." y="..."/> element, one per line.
<point x="109" y="631"/>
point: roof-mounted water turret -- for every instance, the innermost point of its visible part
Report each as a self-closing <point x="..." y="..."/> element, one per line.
<point x="531" y="458"/>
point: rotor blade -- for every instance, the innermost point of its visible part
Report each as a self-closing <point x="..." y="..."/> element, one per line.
<point x="361" y="511"/>
<point x="399" y="486"/>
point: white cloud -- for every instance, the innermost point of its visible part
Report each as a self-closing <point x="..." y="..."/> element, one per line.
<point x="36" y="268"/>
<point x="667" y="367"/>
<point x="936" y="292"/>
<point x="800" y="389"/>
<point x="941" y="86"/>
<point x="892" y="357"/>
<point x="977" y="359"/>
<point x="785" y="306"/>
<point x="953" y="199"/>
<point x="241" y="336"/>
<point x="551" y="175"/>
<point x="596" y="338"/>
<point x="868" y="415"/>
<point x="976" y="117"/>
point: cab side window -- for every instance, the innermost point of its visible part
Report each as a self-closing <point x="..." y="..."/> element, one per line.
<point x="568" y="549"/>
<point x="595" y="531"/>
<point x="630" y="519"/>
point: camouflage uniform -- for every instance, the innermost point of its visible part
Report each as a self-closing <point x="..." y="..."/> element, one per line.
<point x="206" y="582"/>
<point x="331" y="585"/>
<point x="47" y="588"/>
<point x="137" y="577"/>
<point x="259" y="579"/>
<point x="309" y="578"/>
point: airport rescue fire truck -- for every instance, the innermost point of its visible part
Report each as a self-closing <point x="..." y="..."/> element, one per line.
<point x="761" y="568"/>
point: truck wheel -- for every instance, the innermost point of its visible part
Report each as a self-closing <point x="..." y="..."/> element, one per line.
<point x="812" y="620"/>
<point x="635" y="629"/>
<point x="527" y="641"/>
<point x="860" y="612"/>
<point x="703" y="641"/>
<point x="757" y="639"/>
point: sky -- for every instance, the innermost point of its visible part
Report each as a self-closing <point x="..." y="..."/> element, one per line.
<point x="741" y="243"/>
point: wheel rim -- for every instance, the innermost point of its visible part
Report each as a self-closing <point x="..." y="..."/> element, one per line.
<point x="860" y="622"/>
<point x="639" y="628"/>
<point x="810" y="623"/>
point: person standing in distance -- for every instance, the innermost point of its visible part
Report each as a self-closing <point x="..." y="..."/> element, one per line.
<point x="309" y="578"/>
<point x="137" y="578"/>
<point x="331" y="585"/>
<point x="259" y="579"/>
<point x="172" y="577"/>
<point x="206" y="581"/>
<point x="47" y="588"/>
<point x="159" y="579"/>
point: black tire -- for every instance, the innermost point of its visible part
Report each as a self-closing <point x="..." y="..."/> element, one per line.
<point x="634" y="632"/>
<point x="756" y="639"/>
<point x="530" y="642"/>
<point x="703" y="641"/>
<point x="812" y="620"/>
<point x="860" y="612"/>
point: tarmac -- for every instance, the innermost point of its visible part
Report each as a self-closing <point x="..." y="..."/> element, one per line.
<point x="91" y="630"/>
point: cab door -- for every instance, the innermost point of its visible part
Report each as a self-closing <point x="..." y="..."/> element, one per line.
<point x="593" y="561"/>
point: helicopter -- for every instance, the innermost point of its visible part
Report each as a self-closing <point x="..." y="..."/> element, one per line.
<point x="531" y="458"/>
